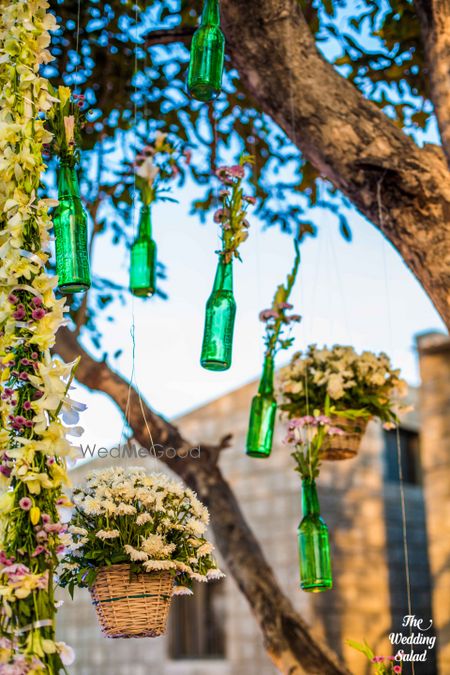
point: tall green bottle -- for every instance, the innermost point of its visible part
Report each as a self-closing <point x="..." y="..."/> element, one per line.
<point x="262" y="414"/>
<point x="70" y="223"/>
<point x="313" y="543"/>
<point x="143" y="258"/>
<point x="219" y="320"/>
<point x="207" y="55"/>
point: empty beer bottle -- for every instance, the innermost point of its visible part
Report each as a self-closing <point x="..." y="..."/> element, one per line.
<point x="70" y="224"/>
<point x="207" y="55"/>
<point x="219" y="320"/>
<point x="143" y="258"/>
<point x="313" y="543"/>
<point x="262" y="414"/>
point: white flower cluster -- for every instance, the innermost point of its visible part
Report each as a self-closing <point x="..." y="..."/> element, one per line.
<point x="149" y="520"/>
<point x="349" y="380"/>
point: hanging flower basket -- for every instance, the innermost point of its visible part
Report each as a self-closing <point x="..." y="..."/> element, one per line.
<point x="132" y="606"/>
<point x="346" y="445"/>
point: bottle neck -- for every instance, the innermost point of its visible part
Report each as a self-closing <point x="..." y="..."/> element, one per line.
<point x="266" y="383"/>
<point x="68" y="180"/>
<point x="310" y="500"/>
<point x="145" y="222"/>
<point x="211" y="13"/>
<point x="224" y="276"/>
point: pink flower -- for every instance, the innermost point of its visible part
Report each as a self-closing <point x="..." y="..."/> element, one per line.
<point x="37" y="301"/>
<point x="250" y="200"/>
<point x="38" y="550"/>
<point x="188" y="156"/>
<point x="46" y="518"/>
<point x="237" y="171"/>
<point x="19" y="314"/>
<point x="286" y="305"/>
<point x="37" y="314"/>
<point x="27" y="405"/>
<point x="60" y="549"/>
<point x="219" y="215"/>
<point x="267" y="314"/>
<point x="397" y="669"/>
<point x="13" y="299"/>
<point x="25" y="503"/>
<point x="23" y="376"/>
<point x="335" y="431"/>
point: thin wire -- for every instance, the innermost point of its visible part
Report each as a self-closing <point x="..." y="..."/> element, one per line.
<point x="397" y="430"/>
<point x="77" y="41"/>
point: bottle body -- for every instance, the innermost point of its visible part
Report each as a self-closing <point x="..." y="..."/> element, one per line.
<point x="143" y="258"/>
<point x="207" y="55"/>
<point x="313" y="544"/>
<point x="70" y="224"/>
<point x="262" y="415"/>
<point x="220" y="314"/>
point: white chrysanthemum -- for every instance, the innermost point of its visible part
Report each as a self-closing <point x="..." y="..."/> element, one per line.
<point x="107" y="534"/>
<point x="196" y="527"/>
<point x="215" y="573"/>
<point x="134" y="554"/>
<point x="73" y="529"/>
<point x="156" y="546"/>
<point x="156" y="565"/>
<point x="143" y="518"/>
<point x="181" y="590"/>
<point x="205" y="549"/>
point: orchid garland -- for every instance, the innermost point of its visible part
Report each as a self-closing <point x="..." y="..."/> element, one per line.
<point x="232" y="216"/>
<point x="34" y="388"/>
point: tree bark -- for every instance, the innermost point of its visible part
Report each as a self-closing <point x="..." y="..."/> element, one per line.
<point x="434" y="18"/>
<point x="403" y="189"/>
<point x="287" y="638"/>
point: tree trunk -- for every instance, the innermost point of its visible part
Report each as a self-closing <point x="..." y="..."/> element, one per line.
<point x="434" y="18"/>
<point x="287" y="639"/>
<point x="402" y="189"/>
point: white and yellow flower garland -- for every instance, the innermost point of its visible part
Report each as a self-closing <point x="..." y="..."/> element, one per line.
<point x="33" y="444"/>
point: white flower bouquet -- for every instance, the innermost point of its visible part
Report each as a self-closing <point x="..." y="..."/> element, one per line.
<point x="148" y="521"/>
<point x="347" y="387"/>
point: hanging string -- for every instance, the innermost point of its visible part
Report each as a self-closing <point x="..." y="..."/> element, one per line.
<point x="77" y="43"/>
<point x="397" y="429"/>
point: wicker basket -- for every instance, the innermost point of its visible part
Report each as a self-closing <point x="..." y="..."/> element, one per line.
<point x="134" y="606"/>
<point x="347" y="445"/>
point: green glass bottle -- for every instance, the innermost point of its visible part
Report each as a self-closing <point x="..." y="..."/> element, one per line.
<point x="313" y="543"/>
<point x="262" y="414"/>
<point x="70" y="224"/>
<point x="143" y="258"/>
<point x="207" y="55"/>
<point x="219" y="321"/>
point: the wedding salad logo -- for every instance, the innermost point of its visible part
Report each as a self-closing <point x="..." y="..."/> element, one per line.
<point x="415" y="643"/>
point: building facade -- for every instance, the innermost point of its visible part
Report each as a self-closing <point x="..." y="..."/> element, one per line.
<point x="214" y="633"/>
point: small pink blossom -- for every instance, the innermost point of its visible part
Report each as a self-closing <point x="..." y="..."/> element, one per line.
<point x="38" y="314"/>
<point x="27" y="405"/>
<point x="37" y="301"/>
<point x="23" y="376"/>
<point x="267" y="314"/>
<point x="13" y="299"/>
<point x="38" y="550"/>
<point x="249" y="200"/>
<point x="397" y="669"/>
<point x="25" y="503"/>
<point x="19" y="314"/>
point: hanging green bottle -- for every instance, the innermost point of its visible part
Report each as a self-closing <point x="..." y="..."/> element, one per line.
<point x="262" y="414"/>
<point x="70" y="224"/>
<point x="219" y="321"/>
<point x="143" y="258"/>
<point x="207" y="55"/>
<point x="313" y="543"/>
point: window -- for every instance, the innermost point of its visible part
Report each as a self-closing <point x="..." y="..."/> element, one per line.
<point x="410" y="458"/>
<point x="196" y="628"/>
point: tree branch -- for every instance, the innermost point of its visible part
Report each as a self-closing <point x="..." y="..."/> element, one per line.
<point x="402" y="189"/>
<point x="287" y="638"/>
<point x="168" y="36"/>
<point x="434" y="16"/>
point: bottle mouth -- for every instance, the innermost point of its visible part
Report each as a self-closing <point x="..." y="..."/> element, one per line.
<point x="143" y="292"/>
<point x="203" y="91"/>
<point x="263" y="454"/>
<point x="74" y="287"/>
<point x="317" y="586"/>
<point x="212" y="364"/>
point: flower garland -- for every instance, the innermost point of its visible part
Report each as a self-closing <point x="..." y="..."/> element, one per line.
<point x="34" y="388"/>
